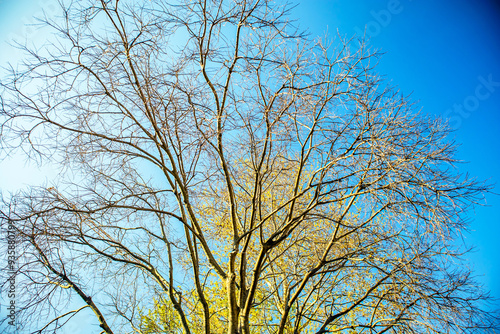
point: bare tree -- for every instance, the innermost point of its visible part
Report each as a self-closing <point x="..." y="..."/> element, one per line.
<point x="224" y="171"/>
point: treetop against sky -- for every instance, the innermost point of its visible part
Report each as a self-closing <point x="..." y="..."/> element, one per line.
<point x="211" y="167"/>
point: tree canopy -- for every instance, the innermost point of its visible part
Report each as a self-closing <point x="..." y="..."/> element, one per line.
<point x="222" y="172"/>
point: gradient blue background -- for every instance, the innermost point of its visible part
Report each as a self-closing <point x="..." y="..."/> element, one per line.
<point x="435" y="50"/>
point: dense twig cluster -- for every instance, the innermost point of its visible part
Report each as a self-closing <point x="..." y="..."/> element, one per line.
<point x="216" y="162"/>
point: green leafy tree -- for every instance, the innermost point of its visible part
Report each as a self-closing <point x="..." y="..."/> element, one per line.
<point x="162" y="318"/>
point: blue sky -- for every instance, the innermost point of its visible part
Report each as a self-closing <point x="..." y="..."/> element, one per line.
<point x="445" y="53"/>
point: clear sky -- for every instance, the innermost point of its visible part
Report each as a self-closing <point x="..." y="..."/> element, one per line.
<point x="445" y="53"/>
